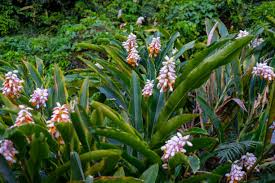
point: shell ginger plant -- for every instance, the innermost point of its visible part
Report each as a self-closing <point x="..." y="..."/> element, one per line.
<point x="133" y="119"/>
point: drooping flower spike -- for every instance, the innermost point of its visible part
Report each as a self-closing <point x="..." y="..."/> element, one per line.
<point x="140" y="20"/>
<point x="39" y="98"/>
<point x="8" y="151"/>
<point x="60" y="113"/>
<point x="249" y="159"/>
<point x="147" y="91"/>
<point x="264" y="71"/>
<point x="133" y="57"/>
<point x="236" y="174"/>
<point x="131" y="47"/>
<point x="12" y="86"/>
<point x="239" y="168"/>
<point x="24" y="116"/>
<point x="167" y="75"/>
<point x="54" y="132"/>
<point x="242" y="33"/>
<point x="154" y="47"/>
<point x="257" y="42"/>
<point x="130" y="43"/>
<point x="174" y="145"/>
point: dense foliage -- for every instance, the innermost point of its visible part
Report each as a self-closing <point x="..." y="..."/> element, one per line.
<point x="137" y="91"/>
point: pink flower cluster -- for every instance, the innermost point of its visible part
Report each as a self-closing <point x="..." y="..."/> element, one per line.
<point x="236" y="174"/>
<point x="242" y="33"/>
<point x="257" y="42"/>
<point x="174" y="145"/>
<point x="248" y="160"/>
<point x="147" y="91"/>
<point x="39" y="97"/>
<point x="60" y="114"/>
<point x="154" y="47"/>
<point x="140" y="20"/>
<point x="264" y="71"/>
<point x="8" y="151"/>
<point x="131" y="47"/>
<point x="24" y="116"/>
<point x="167" y="75"/>
<point x="238" y="168"/>
<point x="12" y="86"/>
<point x="273" y="125"/>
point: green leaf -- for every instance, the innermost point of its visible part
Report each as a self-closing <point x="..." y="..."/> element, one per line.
<point x="120" y="172"/>
<point x="184" y="48"/>
<point x="113" y="52"/>
<point x="80" y="129"/>
<point x="195" y="77"/>
<point x="84" y="94"/>
<point x="39" y="65"/>
<point x="86" y="157"/>
<point x="135" y="103"/>
<point x="271" y="112"/>
<point x="8" y="103"/>
<point x="114" y="116"/>
<point x="205" y="177"/>
<point x="39" y="150"/>
<point x="194" y="163"/>
<point x="69" y="136"/>
<point x="5" y="171"/>
<point x="105" y="179"/>
<point x="34" y="74"/>
<point x="213" y="117"/>
<point x="195" y="131"/>
<point x="150" y="175"/>
<point x="130" y="140"/>
<point x="202" y="143"/>
<point x="60" y="91"/>
<point x="171" y="125"/>
<point x="76" y="167"/>
<point x="178" y="159"/>
<point x="29" y="130"/>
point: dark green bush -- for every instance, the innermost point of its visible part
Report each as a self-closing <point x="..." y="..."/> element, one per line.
<point x="8" y="20"/>
<point x="259" y="13"/>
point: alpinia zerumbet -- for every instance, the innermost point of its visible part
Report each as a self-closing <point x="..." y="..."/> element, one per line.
<point x="167" y="75"/>
<point x="12" y="86"/>
<point x="154" y="47"/>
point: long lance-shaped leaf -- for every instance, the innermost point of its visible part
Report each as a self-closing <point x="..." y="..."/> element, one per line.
<point x="135" y="103"/>
<point x="30" y="129"/>
<point x="86" y="157"/>
<point x="60" y="91"/>
<point x="171" y="125"/>
<point x="151" y="174"/>
<point x="106" y="179"/>
<point x="191" y="64"/>
<point x="132" y="141"/>
<point x="80" y="129"/>
<point x="184" y="48"/>
<point x="84" y="94"/>
<point x="271" y="113"/>
<point x="213" y="117"/>
<point x="114" y="116"/>
<point x="76" y="167"/>
<point x="200" y="74"/>
<point x="88" y="46"/>
<point x="34" y="74"/>
<point x="5" y="171"/>
<point x="113" y="52"/>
